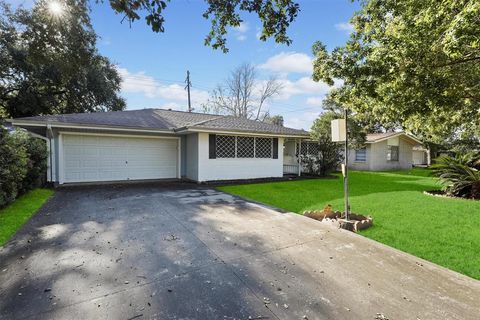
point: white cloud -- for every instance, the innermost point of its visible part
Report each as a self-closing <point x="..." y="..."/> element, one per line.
<point x="241" y="31"/>
<point x="172" y="94"/>
<point x="314" y="101"/>
<point x="243" y="27"/>
<point x="287" y="62"/>
<point x="304" y="85"/>
<point x="258" y="33"/>
<point x="301" y="120"/>
<point x="344" y="26"/>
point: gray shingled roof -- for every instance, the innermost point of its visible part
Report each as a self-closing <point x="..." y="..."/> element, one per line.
<point x="374" y="137"/>
<point x="160" y="119"/>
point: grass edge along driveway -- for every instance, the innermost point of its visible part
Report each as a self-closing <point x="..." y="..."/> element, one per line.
<point x="442" y="230"/>
<point x="16" y="214"/>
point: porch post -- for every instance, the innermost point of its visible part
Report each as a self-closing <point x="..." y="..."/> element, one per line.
<point x="298" y="157"/>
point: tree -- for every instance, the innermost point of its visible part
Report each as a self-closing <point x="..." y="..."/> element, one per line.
<point x="276" y="120"/>
<point x="413" y="63"/>
<point x="49" y="63"/>
<point x="357" y="129"/>
<point x="243" y="95"/>
<point x="275" y="15"/>
<point x="326" y="156"/>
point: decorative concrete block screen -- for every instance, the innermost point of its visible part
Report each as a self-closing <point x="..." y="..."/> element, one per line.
<point x="263" y="148"/>
<point x="245" y="147"/>
<point x="309" y="149"/>
<point x="226" y="146"/>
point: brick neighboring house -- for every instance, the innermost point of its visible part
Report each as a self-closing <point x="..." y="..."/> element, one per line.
<point x="388" y="151"/>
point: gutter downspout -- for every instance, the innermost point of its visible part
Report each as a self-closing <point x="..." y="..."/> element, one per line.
<point x="49" y="137"/>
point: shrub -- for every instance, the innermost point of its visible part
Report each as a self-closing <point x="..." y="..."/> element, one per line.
<point x="36" y="164"/>
<point x="13" y="164"/>
<point x="23" y="163"/>
<point x="325" y="160"/>
<point x="460" y="174"/>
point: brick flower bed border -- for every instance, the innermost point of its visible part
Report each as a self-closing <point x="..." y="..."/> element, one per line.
<point x="355" y="223"/>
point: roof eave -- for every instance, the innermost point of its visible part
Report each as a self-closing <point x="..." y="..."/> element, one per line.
<point x="396" y="135"/>
<point x="245" y="132"/>
<point x="56" y="124"/>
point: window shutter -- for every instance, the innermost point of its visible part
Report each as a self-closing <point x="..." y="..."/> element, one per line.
<point x="212" y="146"/>
<point x="275" y="148"/>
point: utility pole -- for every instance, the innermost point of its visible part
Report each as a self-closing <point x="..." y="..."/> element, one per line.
<point x="189" y="84"/>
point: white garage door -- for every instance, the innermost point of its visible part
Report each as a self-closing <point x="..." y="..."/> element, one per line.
<point x="89" y="158"/>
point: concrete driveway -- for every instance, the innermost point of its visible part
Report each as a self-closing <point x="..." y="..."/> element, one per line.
<point x="187" y="252"/>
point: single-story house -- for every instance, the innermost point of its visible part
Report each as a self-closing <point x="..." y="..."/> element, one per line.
<point x="382" y="151"/>
<point x="160" y="144"/>
<point x="385" y="151"/>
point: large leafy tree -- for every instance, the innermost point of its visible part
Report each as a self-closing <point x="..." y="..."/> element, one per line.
<point x="410" y="63"/>
<point x="275" y="15"/>
<point x="358" y="126"/>
<point x="49" y="63"/>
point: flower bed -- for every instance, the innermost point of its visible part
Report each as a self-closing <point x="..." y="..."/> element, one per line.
<point x="354" y="223"/>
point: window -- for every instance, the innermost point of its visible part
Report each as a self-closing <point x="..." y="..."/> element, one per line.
<point x="245" y="147"/>
<point x="225" y="146"/>
<point x="361" y="155"/>
<point x="242" y="147"/>
<point x="263" y="147"/>
<point x="392" y="153"/>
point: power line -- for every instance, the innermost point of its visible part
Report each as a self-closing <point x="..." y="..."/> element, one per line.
<point x="149" y="79"/>
<point x="146" y="81"/>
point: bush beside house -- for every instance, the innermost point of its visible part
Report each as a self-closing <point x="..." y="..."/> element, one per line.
<point x="322" y="158"/>
<point x="23" y="164"/>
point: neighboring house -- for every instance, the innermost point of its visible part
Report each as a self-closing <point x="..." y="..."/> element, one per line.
<point x="160" y="144"/>
<point x="385" y="151"/>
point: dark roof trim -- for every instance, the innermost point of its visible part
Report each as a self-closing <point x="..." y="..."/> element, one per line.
<point x="55" y="124"/>
<point x="245" y="132"/>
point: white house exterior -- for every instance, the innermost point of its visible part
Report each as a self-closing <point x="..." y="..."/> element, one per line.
<point x="385" y="151"/>
<point x="159" y="144"/>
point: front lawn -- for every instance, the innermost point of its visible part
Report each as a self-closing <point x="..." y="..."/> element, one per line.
<point x="444" y="231"/>
<point x="16" y="214"/>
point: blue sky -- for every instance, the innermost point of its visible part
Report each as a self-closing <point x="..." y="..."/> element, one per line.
<point x="153" y="66"/>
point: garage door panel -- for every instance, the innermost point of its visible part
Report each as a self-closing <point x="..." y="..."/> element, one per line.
<point x="141" y="173"/>
<point x="104" y="158"/>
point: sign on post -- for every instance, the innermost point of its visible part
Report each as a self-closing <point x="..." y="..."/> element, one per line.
<point x="339" y="132"/>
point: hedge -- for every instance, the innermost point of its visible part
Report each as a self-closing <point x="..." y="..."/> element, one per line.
<point x="23" y="164"/>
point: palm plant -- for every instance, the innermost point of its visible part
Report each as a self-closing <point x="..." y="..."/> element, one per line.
<point x="460" y="174"/>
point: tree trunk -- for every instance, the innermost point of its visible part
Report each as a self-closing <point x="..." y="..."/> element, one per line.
<point x="475" y="192"/>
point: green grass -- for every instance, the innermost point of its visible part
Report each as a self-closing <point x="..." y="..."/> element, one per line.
<point x="442" y="230"/>
<point x="14" y="216"/>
